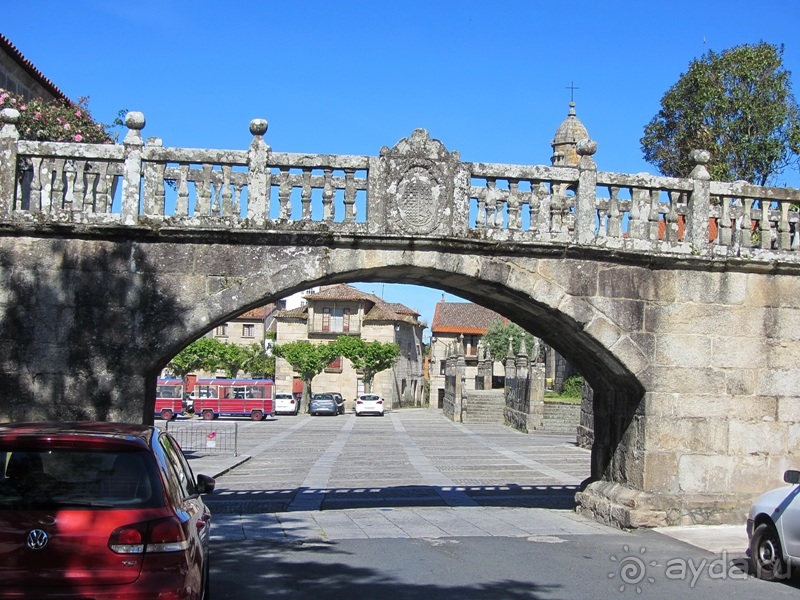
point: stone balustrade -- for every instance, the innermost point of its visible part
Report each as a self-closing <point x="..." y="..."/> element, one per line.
<point x="416" y="188"/>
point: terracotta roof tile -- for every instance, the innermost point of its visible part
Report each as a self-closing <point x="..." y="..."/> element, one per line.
<point x="28" y="67"/>
<point x="463" y="317"/>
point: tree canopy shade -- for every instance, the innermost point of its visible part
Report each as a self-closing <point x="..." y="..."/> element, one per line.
<point x="307" y="360"/>
<point x="368" y="357"/>
<point x="499" y="335"/>
<point x="738" y="105"/>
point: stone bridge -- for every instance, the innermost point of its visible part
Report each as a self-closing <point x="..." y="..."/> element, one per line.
<point x="677" y="299"/>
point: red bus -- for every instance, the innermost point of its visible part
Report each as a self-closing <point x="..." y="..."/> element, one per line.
<point x="211" y="398"/>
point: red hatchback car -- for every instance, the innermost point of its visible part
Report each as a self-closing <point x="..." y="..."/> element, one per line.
<point x="100" y="510"/>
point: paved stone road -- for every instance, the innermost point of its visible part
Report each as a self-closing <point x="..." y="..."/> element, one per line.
<point x="411" y="473"/>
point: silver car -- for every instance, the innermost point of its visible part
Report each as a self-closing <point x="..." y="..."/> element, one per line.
<point x="773" y="527"/>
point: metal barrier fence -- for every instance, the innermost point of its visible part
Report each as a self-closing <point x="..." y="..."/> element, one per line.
<point x="204" y="437"/>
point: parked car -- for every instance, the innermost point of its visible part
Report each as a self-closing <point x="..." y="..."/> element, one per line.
<point x="339" y="401"/>
<point x="369" y="404"/>
<point x="773" y="528"/>
<point x="100" y="510"/>
<point x="286" y="404"/>
<point x="323" y="404"/>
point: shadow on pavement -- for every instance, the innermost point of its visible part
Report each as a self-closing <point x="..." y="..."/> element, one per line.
<point x="225" y="501"/>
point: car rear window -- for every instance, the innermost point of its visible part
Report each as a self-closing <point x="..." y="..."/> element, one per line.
<point x="370" y="398"/>
<point x="77" y="478"/>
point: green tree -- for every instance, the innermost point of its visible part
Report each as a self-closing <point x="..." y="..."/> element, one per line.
<point x="307" y="360"/>
<point x="738" y="105"/>
<point x="258" y="362"/>
<point x="497" y="338"/>
<point x="368" y="357"/>
<point x="231" y="358"/>
<point x="200" y="354"/>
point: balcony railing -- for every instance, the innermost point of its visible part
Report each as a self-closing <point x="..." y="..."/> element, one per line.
<point x="416" y="189"/>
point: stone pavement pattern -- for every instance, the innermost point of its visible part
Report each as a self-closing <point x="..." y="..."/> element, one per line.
<point x="410" y="474"/>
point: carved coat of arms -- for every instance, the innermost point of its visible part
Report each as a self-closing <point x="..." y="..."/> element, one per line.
<point x="418" y="199"/>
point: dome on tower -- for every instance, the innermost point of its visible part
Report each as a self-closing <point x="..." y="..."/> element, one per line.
<point x="568" y="134"/>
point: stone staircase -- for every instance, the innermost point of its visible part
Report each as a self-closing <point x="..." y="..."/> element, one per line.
<point x="561" y="417"/>
<point x="484" y="407"/>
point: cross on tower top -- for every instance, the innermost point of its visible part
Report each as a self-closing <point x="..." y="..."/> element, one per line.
<point x="571" y="87"/>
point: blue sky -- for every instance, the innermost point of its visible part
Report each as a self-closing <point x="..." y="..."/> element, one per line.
<point x="488" y="79"/>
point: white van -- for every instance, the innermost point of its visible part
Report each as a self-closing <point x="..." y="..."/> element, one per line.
<point x="286" y="404"/>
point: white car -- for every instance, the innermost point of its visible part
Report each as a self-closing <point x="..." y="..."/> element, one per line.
<point x="773" y="527"/>
<point x="369" y="404"/>
<point x="286" y="404"/>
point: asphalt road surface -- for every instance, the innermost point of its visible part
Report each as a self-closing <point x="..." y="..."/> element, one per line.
<point x="411" y="505"/>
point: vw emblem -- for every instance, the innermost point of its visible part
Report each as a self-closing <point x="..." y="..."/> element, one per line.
<point x="37" y="539"/>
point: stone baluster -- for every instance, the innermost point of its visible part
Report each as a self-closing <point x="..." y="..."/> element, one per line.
<point x="784" y="233"/>
<point x="182" y="202"/>
<point x="43" y="179"/>
<point x="226" y="193"/>
<point x="328" y="192"/>
<point x="305" y="196"/>
<point x="491" y="199"/>
<point x="202" y="203"/>
<point x="480" y="215"/>
<point x="69" y="179"/>
<point x="699" y="201"/>
<point x="724" y="223"/>
<point x="57" y="188"/>
<point x="614" y="227"/>
<point x="284" y="194"/>
<point x="132" y="170"/>
<point x="514" y="220"/>
<point x="544" y="211"/>
<point x="349" y="195"/>
<point x="102" y="198"/>
<point x="259" y="178"/>
<point x="671" y="225"/>
<point x="8" y="159"/>
<point x="154" y="192"/>
<point x="586" y="197"/>
<point x="653" y="216"/>
<point x="764" y="228"/>
<point x="237" y="197"/>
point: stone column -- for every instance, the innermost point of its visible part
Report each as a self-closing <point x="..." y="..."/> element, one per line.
<point x="586" y="199"/>
<point x="259" y="178"/>
<point x="132" y="173"/>
<point x="700" y="201"/>
<point x="8" y="159"/>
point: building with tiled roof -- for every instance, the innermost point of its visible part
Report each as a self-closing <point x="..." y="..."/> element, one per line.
<point x="19" y="76"/>
<point x="341" y="309"/>
<point x="462" y="323"/>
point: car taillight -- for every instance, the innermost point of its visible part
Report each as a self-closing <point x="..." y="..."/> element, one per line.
<point x="379" y="402"/>
<point x="164" y="535"/>
<point x="360" y="402"/>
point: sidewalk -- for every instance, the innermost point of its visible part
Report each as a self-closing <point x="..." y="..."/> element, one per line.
<point x="731" y="539"/>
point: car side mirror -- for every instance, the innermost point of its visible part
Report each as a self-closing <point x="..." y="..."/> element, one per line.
<point x="205" y="484"/>
<point x="791" y="476"/>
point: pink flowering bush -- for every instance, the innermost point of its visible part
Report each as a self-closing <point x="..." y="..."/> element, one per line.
<point x="56" y="120"/>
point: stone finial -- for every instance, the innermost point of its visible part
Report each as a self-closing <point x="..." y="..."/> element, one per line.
<point x="586" y="147"/>
<point x="135" y="122"/>
<point x="523" y="350"/>
<point x="700" y="158"/>
<point x="510" y="348"/>
<point x="258" y="126"/>
<point x="9" y="117"/>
